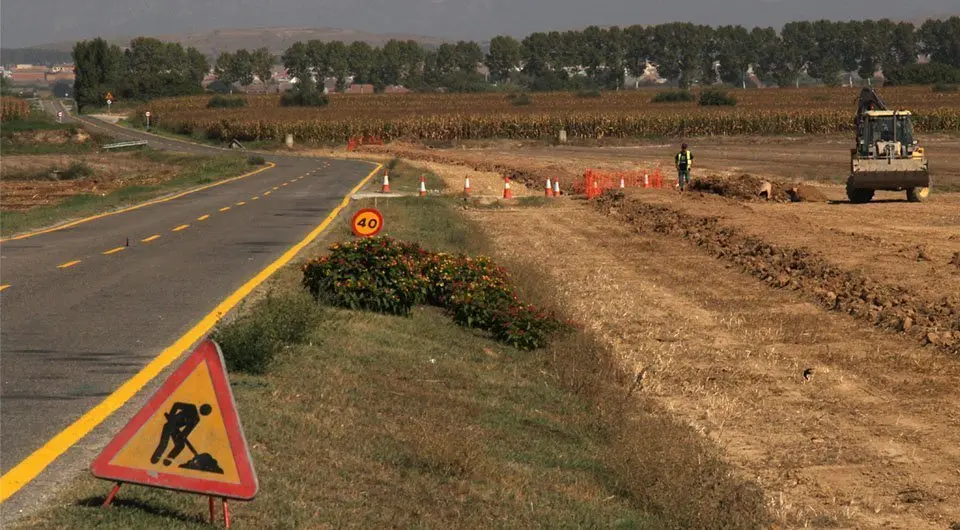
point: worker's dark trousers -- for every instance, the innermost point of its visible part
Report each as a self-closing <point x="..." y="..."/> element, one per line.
<point x="683" y="177"/>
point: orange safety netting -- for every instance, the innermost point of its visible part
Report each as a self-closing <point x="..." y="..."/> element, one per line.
<point x="596" y="182"/>
<point x="356" y="141"/>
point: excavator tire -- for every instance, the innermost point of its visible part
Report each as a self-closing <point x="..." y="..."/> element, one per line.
<point x="917" y="194"/>
<point x="859" y="195"/>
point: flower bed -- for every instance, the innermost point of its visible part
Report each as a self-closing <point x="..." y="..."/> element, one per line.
<point x="388" y="276"/>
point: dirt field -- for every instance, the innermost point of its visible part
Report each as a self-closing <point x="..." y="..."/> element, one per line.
<point x="818" y="343"/>
<point x="28" y="181"/>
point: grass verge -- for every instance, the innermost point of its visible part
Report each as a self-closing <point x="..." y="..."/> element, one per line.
<point x="372" y="421"/>
<point x="195" y="170"/>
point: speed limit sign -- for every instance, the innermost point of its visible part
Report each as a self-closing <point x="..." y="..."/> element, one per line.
<point x="367" y="223"/>
<point x="148" y="113"/>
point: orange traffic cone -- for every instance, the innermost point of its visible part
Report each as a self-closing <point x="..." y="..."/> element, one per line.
<point x="549" y="189"/>
<point x="622" y="183"/>
<point x="556" y="188"/>
<point x="466" y="186"/>
<point x="507" y="194"/>
<point x="646" y="180"/>
<point x="386" y="183"/>
<point x="423" y="187"/>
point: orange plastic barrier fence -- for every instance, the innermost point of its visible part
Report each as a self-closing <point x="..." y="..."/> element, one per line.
<point x="356" y="141"/>
<point x="596" y="182"/>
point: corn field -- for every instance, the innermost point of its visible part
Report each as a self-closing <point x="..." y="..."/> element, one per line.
<point x="445" y="117"/>
<point x="13" y="108"/>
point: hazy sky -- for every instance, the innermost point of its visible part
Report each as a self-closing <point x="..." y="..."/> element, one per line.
<point x="31" y="22"/>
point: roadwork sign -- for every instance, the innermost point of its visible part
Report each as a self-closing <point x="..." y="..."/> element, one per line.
<point x="367" y="222"/>
<point x="187" y="437"/>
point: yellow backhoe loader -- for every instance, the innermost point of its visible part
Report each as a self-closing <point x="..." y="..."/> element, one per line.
<point x="887" y="157"/>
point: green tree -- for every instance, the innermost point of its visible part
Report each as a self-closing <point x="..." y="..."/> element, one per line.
<point x="678" y="51"/>
<point x="297" y="61"/>
<point x="940" y="39"/>
<point x="263" y="64"/>
<point x="736" y="52"/>
<point x="638" y="48"/>
<point x="98" y="67"/>
<point x="242" y="65"/>
<point x="468" y="56"/>
<point x="798" y="45"/>
<point x="224" y="69"/>
<point x="504" y="56"/>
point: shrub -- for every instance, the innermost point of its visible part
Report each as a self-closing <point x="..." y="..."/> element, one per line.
<point x="375" y="274"/>
<point x="256" y="160"/>
<point x="220" y="102"/>
<point x="521" y="100"/>
<point x="300" y="98"/>
<point x="387" y="276"/>
<point x="250" y="342"/>
<point x="715" y="98"/>
<point x="76" y="170"/>
<point x="588" y="94"/>
<point x="673" y="96"/>
<point x="943" y="87"/>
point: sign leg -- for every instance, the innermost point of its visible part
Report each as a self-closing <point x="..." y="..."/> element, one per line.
<point x="113" y="493"/>
<point x="226" y="513"/>
<point x="213" y="512"/>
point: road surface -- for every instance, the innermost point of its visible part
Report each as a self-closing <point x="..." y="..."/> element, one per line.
<point x="87" y="307"/>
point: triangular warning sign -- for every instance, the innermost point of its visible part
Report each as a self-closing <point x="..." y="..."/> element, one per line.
<point x="188" y="437"/>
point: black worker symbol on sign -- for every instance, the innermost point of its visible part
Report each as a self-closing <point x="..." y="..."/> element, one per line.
<point x="182" y="419"/>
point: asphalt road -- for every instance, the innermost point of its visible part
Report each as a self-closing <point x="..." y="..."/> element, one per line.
<point x="82" y="311"/>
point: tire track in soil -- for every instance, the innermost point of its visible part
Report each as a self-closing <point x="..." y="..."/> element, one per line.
<point x="873" y="439"/>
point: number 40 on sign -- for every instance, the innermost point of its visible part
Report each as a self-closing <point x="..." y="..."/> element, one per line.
<point x="367" y="222"/>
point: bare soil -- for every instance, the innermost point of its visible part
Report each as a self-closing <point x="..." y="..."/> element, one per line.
<point x="818" y="342"/>
<point x="41" y="187"/>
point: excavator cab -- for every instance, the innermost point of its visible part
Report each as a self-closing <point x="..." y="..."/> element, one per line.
<point x="887" y="156"/>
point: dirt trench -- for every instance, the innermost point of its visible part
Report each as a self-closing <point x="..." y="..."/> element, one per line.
<point x="889" y="307"/>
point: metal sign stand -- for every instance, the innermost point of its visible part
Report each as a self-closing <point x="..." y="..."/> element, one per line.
<point x="213" y="511"/>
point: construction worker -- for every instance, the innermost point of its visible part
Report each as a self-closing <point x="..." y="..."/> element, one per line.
<point x="683" y="161"/>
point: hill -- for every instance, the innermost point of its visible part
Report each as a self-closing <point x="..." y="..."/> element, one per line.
<point x="277" y="39"/>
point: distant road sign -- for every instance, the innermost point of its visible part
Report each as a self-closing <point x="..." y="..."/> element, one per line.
<point x="188" y="437"/>
<point x="368" y="222"/>
<point x="148" y="113"/>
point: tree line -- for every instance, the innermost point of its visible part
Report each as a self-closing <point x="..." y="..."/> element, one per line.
<point x="146" y="69"/>
<point x="594" y="58"/>
<point x="684" y="53"/>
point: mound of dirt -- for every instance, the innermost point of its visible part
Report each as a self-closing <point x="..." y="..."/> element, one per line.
<point x="744" y="187"/>
<point x="805" y="193"/>
<point x="935" y="322"/>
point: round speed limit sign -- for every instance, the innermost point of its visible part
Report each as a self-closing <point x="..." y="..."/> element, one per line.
<point x="368" y="222"/>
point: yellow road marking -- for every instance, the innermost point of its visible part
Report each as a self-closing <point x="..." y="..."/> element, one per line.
<point x="181" y="227"/>
<point x="2" y="287"/>
<point x="285" y="183"/>
<point x="275" y="188"/>
<point x="113" y="251"/>
<point x="270" y="165"/>
<point x="267" y="192"/>
<point x="151" y="238"/>
<point x="203" y="217"/>
<point x="225" y="208"/>
<point x="33" y="465"/>
<point x="255" y="198"/>
<point x="241" y="203"/>
<point x="67" y="265"/>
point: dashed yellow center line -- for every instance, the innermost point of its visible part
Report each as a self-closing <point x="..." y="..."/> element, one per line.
<point x="113" y="251"/>
<point x="181" y="227"/>
<point x="151" y="238"/>
<point x="225" y="208"/>
<point x="267" y="193"/>
<point x="275" y="188"/>
<point x="203" y="217"/>
<point x="285" y="183"/>
<point x="255" y="198"/>
<point x="241" y="203"/>
<point x="2" y="287"/>
<point x="68" y="264"/>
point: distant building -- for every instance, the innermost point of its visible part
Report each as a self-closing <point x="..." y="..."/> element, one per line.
<point x="396" y="89"/>
<point x="29" y="75"/>
<point x="360" y="89"/>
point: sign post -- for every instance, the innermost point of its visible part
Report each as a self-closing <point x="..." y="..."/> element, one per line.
<point x="367" y="222"/>
<point x="59" y="116"/>
<point x="187" y="437"/>
<point x="109" y="98"/>
<point x="148" y="120"/>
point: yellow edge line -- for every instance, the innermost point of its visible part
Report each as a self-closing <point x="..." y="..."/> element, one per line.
<point x="30" y="467"/>
<point x="68" y="264"/>
<point x="113" y="251"/>
<point x="151" y="238"/>
<point x="271" y="165"/>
